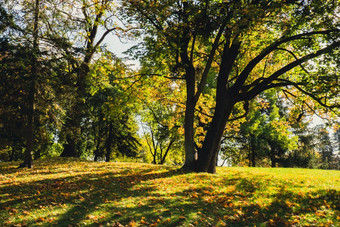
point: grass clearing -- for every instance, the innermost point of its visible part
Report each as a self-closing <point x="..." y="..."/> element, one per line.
<point x="70" y="192"/>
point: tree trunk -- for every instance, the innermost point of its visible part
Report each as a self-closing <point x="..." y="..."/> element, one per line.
<point x="207" y="157"/>
<point x="109" y="145"/>
<point x="96" y="151"/>
<point x="273" y="159"/>
<point x="166" y="152"/>
<point x="189" y="143"/>
<point x="225" y="101"/>
<point x="72" y="128"/>
<point x="73" y="136"/>
<point x="30" y="128"/>
<point x="253" y="154"/>
<point x="253" y="157"/>
<point x="31" y="95"/>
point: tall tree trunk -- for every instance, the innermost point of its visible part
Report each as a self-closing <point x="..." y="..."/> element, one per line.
<point x="225" y="101"/>
<point x="253" y="154"/>
<point x="166" y="152"/>
<point x="30" y="127"/>
<point x="31" y="95"/>
<point x="189" y="143"/>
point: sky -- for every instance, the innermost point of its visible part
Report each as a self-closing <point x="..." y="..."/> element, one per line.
<point x="118" y="47"/>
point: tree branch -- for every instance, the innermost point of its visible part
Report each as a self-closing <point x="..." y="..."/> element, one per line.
<point x="265" y="84"/>
<point x="296" y="58"/>
<point x="246" y="108"/>
<point x="251" y="65"/>
<point x="210" y="59"/>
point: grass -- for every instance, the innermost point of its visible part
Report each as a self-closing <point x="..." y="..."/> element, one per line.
<point x="70" y="192"/>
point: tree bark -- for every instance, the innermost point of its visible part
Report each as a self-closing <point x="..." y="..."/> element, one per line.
<point x="225" y="101"/>
<point x="207" y="157"/>
<point x="253" y="154"/>
<point x="189" y="143"/>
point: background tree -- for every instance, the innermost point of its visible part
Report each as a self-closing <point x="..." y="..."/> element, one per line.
<point x="64" y="57"/>
<point x="112" y="106"/>
<point x="85" y="18"/>
<point x="28" y="68"/>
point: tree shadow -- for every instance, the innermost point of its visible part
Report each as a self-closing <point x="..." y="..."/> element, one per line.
<point x="85" y="193"/>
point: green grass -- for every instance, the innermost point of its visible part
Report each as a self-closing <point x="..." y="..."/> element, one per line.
<point x="70" y="192"/>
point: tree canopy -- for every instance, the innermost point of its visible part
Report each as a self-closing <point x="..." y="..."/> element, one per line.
<point x="236" y="79"/>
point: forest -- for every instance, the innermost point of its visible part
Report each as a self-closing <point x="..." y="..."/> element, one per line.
<point x="206" y="83"/>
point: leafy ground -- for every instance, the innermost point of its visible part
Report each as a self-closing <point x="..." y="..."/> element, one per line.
<point x="69" y="192"/>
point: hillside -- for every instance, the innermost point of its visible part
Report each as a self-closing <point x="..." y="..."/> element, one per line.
<point x="70" y="192"/>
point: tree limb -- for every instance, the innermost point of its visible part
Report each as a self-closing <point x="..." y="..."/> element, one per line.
<point x="251" y="65"/>
<point x="265" y="84"/>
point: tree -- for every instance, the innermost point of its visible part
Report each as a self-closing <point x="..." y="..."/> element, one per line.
<point x="264" y="134"/>
<point x="159" y="131"/>
<point x="31" y="75"/>
<point x="258" y="45"/>
<point x="111" y="107"/>
<point x="91" y="16"/>
<point x="324" y="147"/>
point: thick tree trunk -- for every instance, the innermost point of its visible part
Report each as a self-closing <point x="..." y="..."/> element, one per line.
<point x="189" y="143"/>
<point x="208" y="155"/>
<point x="225" y="101"/>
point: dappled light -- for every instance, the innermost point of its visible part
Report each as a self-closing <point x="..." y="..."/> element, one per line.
<point x="134" y="194"/>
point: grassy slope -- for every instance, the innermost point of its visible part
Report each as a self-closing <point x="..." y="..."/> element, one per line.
<point x="65" y="192"/>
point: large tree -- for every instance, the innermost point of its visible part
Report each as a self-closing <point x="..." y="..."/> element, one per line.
<point x="27" y="67"/>
<point x="84" y="19"/>
<point x="247" y="47"/>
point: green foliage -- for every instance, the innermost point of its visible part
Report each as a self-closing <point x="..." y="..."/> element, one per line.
<point x="111" y="125"/>
<point x="264" y="135"/>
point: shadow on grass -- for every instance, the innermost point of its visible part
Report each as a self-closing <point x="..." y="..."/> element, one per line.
<point x="82" y="195"/>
